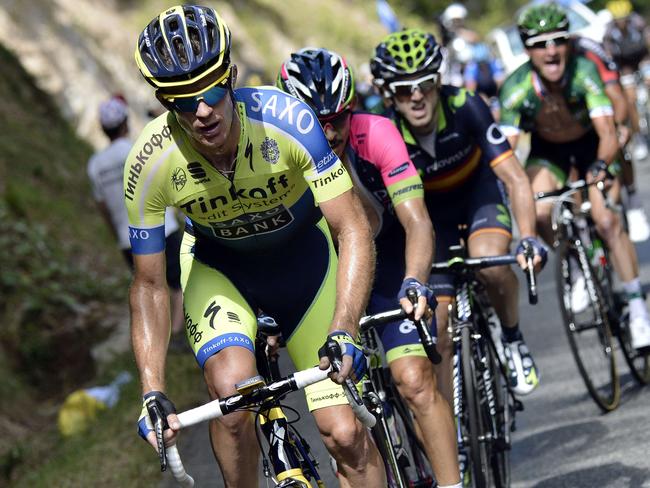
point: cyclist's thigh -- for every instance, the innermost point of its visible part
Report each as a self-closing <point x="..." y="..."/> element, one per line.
<point x="308" y="334"/>
<point x="216" y="314"/>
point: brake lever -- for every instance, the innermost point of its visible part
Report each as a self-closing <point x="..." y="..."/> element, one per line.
<point x="530" y="274"/>
<point x="162" y="450"/>
<point x="428" y="340"/>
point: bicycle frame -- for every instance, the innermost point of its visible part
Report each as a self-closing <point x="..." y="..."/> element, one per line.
<point x="475" y="358"/>
<point x="380" y="393"/>
<point x="287" y="450"/>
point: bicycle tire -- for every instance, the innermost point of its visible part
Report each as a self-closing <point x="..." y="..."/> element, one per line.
<point x="503" y="418"/>
<point x="418" y="471"/>
<point x="473" y="419"/>
<point x="638" y="364"/>
<point x="596" y="364"/>
<point x="396" y="476"/>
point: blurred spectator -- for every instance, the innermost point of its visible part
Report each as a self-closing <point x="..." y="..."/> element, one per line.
<point x="457" y="41"/>
<point x="368" y="98"/>
<point x="106" y="170"/>
<point x="484" y="74"/>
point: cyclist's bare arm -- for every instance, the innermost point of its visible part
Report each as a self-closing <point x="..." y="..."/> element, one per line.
<point x="614" y="92"/>
<point x="150" y="324"/>
<point x="608" y="144"/>
<point x="514" y="177"/>
<point x="414" y="217"/>
<point x="356" y="251"/>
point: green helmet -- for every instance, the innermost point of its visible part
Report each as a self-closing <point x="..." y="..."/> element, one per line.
<point x="541" y="19"/>
<point x="407" y="52"/>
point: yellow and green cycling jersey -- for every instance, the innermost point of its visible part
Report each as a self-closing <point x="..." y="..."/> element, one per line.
<point x="284" y="168"/>
<point x="256" y="241"/>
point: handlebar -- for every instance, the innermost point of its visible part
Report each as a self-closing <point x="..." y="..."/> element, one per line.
<point x="428" y="340"/>
<point x="223" y="406"/>
<point x="468" y="266"/>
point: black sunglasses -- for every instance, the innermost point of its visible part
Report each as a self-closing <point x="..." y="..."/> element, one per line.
<point x="337" y="120"/>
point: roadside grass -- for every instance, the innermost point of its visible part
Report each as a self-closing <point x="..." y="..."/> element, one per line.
<point x="111" y="453"/>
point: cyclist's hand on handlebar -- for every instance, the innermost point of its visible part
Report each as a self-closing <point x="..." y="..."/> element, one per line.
<point x="600" y="171"/>
<point x="156" y="405"/>
<point x="423" y="292"/>
<point x="349" y="358"/>
<point x="540" y="253"/>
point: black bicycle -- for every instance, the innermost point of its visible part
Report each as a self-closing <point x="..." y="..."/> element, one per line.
<point x="484" y="403"/>
<point x="394" y="433"/>
<point x="582" y="253"/>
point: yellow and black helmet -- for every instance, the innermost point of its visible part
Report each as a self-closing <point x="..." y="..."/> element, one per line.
<point x="183" y="45"/>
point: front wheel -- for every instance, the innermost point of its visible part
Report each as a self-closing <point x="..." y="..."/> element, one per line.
<point x="473" y="421"/>
<point x="588" y="331"/>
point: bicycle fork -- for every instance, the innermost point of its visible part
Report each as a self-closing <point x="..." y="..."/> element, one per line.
<point x="286" y="465"/>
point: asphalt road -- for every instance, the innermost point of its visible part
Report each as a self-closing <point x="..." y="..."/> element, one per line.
<point x="562" y="438"/>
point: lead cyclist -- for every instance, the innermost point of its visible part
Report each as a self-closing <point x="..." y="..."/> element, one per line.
<point x="260" y="188"/>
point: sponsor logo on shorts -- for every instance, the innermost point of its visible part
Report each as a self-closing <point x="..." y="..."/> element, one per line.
<point x="328" y="396"/>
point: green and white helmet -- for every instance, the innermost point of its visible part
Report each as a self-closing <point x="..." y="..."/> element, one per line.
<point x="407" y="52"/>
<point x="542" y="19"/>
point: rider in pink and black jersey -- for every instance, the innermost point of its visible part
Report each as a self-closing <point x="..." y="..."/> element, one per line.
<point x="391" y="190"/>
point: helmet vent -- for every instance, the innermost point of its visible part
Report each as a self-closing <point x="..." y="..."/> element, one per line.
<point x="181" y="54"/>
<point x="212" y="34"/>
<point x="163" y="53"/>
<point x="195" y="41"/>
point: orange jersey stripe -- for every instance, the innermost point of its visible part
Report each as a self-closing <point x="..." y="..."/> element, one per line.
<point x="456" y="177"/>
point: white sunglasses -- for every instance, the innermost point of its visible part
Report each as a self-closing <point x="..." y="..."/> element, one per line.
<point x="408" y="87"/>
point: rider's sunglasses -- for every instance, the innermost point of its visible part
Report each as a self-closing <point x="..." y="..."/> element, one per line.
<point x="548" y="40"/>
<point x="406" y="88"/>
<point x="337" y="120"/>
<point x="189" y="102"/>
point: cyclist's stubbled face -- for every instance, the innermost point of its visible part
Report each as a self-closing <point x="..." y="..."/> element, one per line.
<point x="337" y="132"/>
<point x="209" y="125"/>
<point x="550" y="61"/>
<point x="418" y="107"/>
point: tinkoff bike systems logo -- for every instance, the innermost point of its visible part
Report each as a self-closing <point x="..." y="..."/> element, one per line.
<point x="270" y="150"/>
<point x="179" y="178"/>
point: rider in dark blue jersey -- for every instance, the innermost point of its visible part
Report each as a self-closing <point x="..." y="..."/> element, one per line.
<point x="464" y="161"/>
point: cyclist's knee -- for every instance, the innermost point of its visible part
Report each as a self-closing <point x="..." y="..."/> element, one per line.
<point x="608" y="226"/>
<point x="416" y="382"/>
<point x="497" y="276"/>
<point x="341" y="433"/>
<point x="227" y="368"/>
